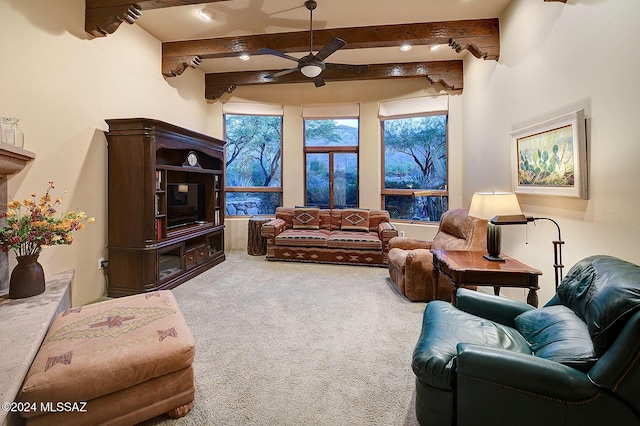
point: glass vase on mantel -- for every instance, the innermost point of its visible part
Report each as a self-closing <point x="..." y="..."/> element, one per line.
<point x="11" y="134"/>
<point x="27" y="278"/>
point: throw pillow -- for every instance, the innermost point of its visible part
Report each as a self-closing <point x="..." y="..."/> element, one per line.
<point x="558" y="334"/>
<point x="355" y="220"/>
<point x="306" y="218"/>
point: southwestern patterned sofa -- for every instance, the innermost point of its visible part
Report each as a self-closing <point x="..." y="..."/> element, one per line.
<point x="310" y="234"/>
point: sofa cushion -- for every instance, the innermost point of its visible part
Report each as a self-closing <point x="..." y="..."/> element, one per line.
<point x="443" y="327"/>
<point x="558" y="334"/>
<point x="306" y="218"/>
<point x="355" y="220"/>
<point x="303" y="238"/>
<point x="354" y="240"/>
<point x="604" y="291"/>
<point x="325" y="219"/>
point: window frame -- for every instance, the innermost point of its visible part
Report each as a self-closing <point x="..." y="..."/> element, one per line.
<point x="442" y="193"/>
<point x="330" y="150"/>
<point x="261" y="189"/>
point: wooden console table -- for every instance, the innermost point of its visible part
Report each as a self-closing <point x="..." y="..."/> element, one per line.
<point x="470" y="268"/>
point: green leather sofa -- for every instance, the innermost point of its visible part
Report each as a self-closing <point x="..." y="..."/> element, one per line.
<point x="499" y="362"/>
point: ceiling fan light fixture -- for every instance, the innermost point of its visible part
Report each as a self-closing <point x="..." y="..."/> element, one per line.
<point x="311" y="70"/>
<point x="206" y="15"/>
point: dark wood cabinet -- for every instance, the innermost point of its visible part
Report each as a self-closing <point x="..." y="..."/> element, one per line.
<point x="165" y="205"/>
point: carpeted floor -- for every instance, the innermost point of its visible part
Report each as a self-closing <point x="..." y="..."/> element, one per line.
<point x="282" y="343"/>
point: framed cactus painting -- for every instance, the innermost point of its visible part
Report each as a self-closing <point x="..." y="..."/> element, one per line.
<point x="550" y="158"/>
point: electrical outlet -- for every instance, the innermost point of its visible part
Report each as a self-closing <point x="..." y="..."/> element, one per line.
<point x="102" y="262"/>
<point x="402" y="233"/>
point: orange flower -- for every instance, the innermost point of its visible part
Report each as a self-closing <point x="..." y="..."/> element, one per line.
<point x="32" y="224"/>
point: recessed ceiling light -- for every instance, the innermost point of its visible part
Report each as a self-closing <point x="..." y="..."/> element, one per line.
<point x="244" y="57"/>
<point x="405" y="47"/>
<point x="435" y="47"/>
<point x="205" y="14"/>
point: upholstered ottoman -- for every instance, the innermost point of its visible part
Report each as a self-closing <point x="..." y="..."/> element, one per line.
<point x="120" y="362"/>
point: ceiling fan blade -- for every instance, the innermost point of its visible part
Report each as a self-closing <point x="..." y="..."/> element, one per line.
<point x="268" y="51"/>
<point x="346" y="67"/>
<point x="318" y="81"/>
<point x="283" y="72"/>
<point x="333" y="45"/>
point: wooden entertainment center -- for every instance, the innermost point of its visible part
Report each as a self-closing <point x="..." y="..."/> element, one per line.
<point x="166" y="205"/>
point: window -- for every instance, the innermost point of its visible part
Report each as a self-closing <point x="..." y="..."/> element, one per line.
<point x="253" y="163"/>
<point x="331" y="155"/>
<point x="415" y="164"/>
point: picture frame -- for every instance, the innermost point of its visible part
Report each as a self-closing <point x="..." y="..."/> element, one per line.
<point x="550" y="158"/>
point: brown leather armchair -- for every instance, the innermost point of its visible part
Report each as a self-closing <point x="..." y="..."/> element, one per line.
<point x="410" y="261"/>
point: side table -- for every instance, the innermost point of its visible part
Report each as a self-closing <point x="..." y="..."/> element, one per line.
<point x="471" y="268"/>
<point x="256" y="243"/>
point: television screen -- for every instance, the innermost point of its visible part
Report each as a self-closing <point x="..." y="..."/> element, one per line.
<point x="185" y="204"/>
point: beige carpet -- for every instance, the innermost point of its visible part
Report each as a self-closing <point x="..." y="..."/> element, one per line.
<point x="282" y="343"/>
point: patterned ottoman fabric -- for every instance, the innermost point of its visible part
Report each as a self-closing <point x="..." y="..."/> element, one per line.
<point x="96" y="351"/>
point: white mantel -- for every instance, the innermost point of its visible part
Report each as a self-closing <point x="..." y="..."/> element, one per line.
<point x="24" y="324"/>
<point x="12" y="160"/>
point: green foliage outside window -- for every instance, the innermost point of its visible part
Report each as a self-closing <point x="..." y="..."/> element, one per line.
<point x="415" y="152"/>
<point x="415" y="158"/>
<point x="254" y="150"/>
<point x="336" y="132"/>
<point x="337" y="187"/>
<point x="253" y="160"/>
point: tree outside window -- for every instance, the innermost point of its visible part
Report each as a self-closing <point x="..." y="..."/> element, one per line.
<point x="253" y="164"/>
<point x="415" y="167"/>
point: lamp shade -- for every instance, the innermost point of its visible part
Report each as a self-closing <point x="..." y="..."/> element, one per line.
<point x="486" y="205"/>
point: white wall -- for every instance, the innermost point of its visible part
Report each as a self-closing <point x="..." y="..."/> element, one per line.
<point x="555" y="58"/>
<point x="63" y="85"/>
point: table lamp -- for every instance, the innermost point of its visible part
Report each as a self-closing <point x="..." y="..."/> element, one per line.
<point x="488" y="205"/>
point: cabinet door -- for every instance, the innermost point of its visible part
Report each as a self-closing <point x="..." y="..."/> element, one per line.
<point x="170" y="262"/>
<point x="215" y="244"/>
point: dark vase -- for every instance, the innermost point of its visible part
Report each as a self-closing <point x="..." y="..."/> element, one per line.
<point x="27" y="278"/>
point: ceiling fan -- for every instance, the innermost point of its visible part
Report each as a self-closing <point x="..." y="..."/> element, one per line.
<point x="312" y="65"/>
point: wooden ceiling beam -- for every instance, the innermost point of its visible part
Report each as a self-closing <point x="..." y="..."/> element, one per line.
<point x="446" y="73"/>
<point x="103" y="17"/>
<point x="480" y="36"/>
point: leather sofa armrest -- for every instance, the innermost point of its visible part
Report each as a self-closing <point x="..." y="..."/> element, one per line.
<point x="518" y="372"/>
<point x="406" y="243"/>
<point x="618" y="362"/>
<point x="494" y="308"/>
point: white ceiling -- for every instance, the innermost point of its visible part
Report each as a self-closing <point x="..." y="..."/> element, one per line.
<point x="247" y="17"/>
